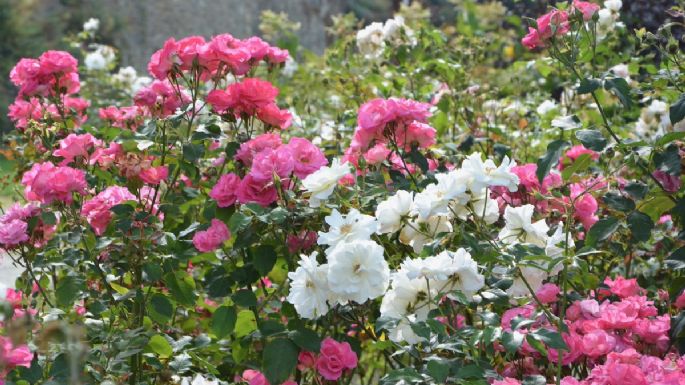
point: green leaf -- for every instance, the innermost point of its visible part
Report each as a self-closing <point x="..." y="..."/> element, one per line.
<point x="677" y="259"/>
<point x="677" y="110"/>
<point x="536" y="344"/>
<point x="668" y="138"/>
<point x="551" y="158"/>
<point x="245" y="324"/>
<point x="223" y="321"/>
<point x="588" y="85"/>
<point x="535" y="379"/>
<point x="580" y="164"/>
<point x="668" y="161"/>
<point x="636" y="190"/>
<point x="417" y="158"/>
<point x="551" y="338"/>
<point x="601" y="230"/>
<point x="279" y="360"/>
<point x="193" y="152"/>
<point x="182" y="287"/>
<point x="618" y="202"/>
<point x="68" y="290"/>
<point x="264" y="259"/>
<point x="245" y="298"/>
<point x="438" y="369"/>
<point x="656" y="206"/>
<point x="159" y="345"/>
<point x="403" y="376"/>
<point x="306" y="339"/>
<point x="161" y="309"/>
<point x="512" y="341"/>
<point x="640" y="225"/>
<point x="592" y="139"/>
<point x="620" y="88"/>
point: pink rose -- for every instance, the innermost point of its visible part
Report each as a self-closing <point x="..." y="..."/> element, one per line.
<point x="274" y="116"/>
<point x="549" y="24"/>
<point x="308" y="158"/>
<point x="507" y="381"/>
<point x="306" y="360"/>
<point x="225" y="191"/>
<point x="212" y="238"/>
<point x="162" y="61"/>
<point x="76" y="146"/>
<point x="598" y="343"/>
<point x="587" y="8"/>
<point x="277" y="55"/>
<point x="680" y="301"/>
<point x="12" y="356"/>
<point x="270" y="163"/>
<point x="254" y="377"/>
<point x="97" y="210"/>
<point x="377" y="154"/>
<point x="46" y="183"/>
<point x="253" y="190"/>
<point x="575" y="152"/>
<point x="57" y="62"/>
<point x="334" y="358"/>
<point x="252" y="147"/>
<point x="670" y="182"/>
<point x="154" y="175"/>
<point x="13" y="233"/>
<point x="548" y="293"/>
<point x="622" y="287"/>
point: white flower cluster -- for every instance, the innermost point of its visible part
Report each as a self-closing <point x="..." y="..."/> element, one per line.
<point x="609" y="18"/>
<point x="129" y="78"/>
<point x="355" y="271"/>
<point x="460" y="193"/>
<point x="373" y="38"/>
<point x="91" y="25"/>
<point x="101" y="58"/>
<point x="655" y="120"/>
<point x="418" y="282"/>
<point x="519" y="228"/>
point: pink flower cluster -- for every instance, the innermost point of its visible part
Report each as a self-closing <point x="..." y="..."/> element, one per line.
<point x="53" y="73"/>
<point x="267" y="157"/>
<point x="161" y="98"/>
<point x="387" y="125"/>
<point x="255" y="377"/>
<point x="556" y="23"/>
<point x="130" y="117"/>
<point x="251" y="97"/>
<point x="76" y="147"/>
<point x="14" y="226"/>
<point x="619" y="322"/>
<point x="47" y="183"/>
<point x="212" y="59"/>
<point x="97" y="209"/>
<point x="22" y="111"/>
<point x="334" y="359"/>
<point x="211" y="239"/>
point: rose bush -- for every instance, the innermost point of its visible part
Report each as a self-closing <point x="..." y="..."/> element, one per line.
<point x="420" y="205"/>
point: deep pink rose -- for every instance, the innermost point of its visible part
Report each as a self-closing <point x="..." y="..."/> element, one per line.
<point x="97" y="210"/>
<point x="253" y="190"/>
<point x="269" y="163"/>
<point x="308" y="158"/>
<point x="225" y="191"/>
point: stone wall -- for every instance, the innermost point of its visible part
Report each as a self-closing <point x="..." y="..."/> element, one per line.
<point x="141" y="26"/>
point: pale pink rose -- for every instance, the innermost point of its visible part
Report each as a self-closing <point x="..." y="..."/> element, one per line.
<point x="335" y="358"/>
<point x="154" y="175"/>
<point x="97" y="210"/>
<point x="225" y="191"/>
<point x="308" y="158"/>
<point x="253" y="190"/>
<point x="212" y="238"/>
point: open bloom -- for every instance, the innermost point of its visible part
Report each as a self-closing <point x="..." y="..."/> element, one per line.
<point x="309" y="291"/>
<point x="321" y="183"/>
<point x="358" y="271"/>
<point x="345" y="228"/>
<point x="46" y="183"/>
<point x="97" y="210"/>
<point x="225" y="191"/>
<point x="391" y="211"/>
<point x="520" y="228"/>
<point x="212" y="238"/>
<point x="334" y="358"/>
